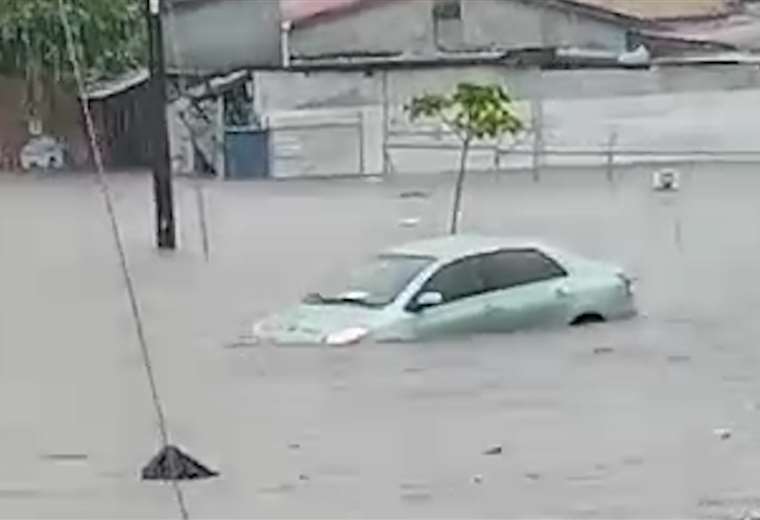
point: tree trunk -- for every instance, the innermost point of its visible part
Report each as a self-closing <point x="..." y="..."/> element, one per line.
<point x="455" y="210"/>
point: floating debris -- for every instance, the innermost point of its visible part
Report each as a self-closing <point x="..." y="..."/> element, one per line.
<point x="172" y="464"/>
<point x="666" y="179"/>
<point x="493" y="450"/>
<point x="410" y="222"/>
<point x="533" y="476"/>
<point x="723" y="433"/>
<point x="414" y="194"/>
<point x="294" y="446"/>
<point x="477" y="479"/>
<point x="603" y="350"/>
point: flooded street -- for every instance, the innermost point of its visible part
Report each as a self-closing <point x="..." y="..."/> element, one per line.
<point x="655" y="417"/>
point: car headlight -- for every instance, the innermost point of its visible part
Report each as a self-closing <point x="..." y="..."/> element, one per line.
<point x="349" y="336"/>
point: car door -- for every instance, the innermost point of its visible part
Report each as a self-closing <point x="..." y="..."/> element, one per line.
<point x="464" y="302"/>
<point x="525" y="289"/>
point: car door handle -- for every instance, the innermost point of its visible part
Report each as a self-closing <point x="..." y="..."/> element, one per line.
<point x="563" y="292"/>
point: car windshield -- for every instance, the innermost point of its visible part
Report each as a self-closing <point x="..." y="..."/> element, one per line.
<point x="375" y="284"/>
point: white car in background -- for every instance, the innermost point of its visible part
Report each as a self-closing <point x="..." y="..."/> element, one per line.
<point x="42" y="152"/>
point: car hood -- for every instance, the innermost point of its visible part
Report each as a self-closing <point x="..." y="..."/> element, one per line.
<point x="309" y="324"/>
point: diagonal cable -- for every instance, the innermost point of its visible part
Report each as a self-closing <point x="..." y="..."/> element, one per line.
<point x="119" y="243"/>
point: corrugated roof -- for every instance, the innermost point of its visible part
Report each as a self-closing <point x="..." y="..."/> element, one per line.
<point x="666" y="9"/>
<point x="306" y="12"/>
<point x="106" y="89"/>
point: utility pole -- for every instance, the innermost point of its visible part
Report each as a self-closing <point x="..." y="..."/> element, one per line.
<point x="159" y="134"/>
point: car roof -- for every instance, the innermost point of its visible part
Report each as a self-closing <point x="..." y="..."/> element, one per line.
<point x="457" y="246"/>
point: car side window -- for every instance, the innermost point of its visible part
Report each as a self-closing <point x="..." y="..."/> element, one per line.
<point x="515" y="267"/>
<point x="457" y="280"/>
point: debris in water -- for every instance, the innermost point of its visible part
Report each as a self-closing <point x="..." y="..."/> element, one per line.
<point x="494" y="450"/>
<point x="303" y="478"/>
<point x="294" y="446"/>
<point x="533" y="476"/>
<point x="172" y="464"/>
<point x="723" y="433"/>
<point x="477" y="479"/>
<point x="414" y="194"/>
<point x="603" y="350"/>
<point x="410" y="222"/>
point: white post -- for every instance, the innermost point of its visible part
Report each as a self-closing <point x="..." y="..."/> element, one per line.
<point x="362" y="159"/>
<point x="285" y="42"/>
<point x="611" y="155"/>
<point x="538" y="136"/>
<point x="386" y="123"/>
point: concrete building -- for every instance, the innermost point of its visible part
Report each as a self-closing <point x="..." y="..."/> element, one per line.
<point x="426" y="28"/>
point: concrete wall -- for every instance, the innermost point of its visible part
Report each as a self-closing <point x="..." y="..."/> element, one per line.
<point x="670" y="110"/>
<point x="409" y="26"/>
<point x="223" y="35"/>
<point x="509" y="24"/>
<point x="339" y="141"/>
<point x="294" y="90"/>
<point x="651" y="9"/>
<point x="389" y="27"/>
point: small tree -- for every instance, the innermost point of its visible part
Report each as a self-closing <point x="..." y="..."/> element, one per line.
<point x="472" y="112"/>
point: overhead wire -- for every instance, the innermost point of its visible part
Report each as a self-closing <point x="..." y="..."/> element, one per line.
<point x="118" y="242"/>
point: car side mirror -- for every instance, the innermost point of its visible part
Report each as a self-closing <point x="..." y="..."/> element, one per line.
<point x="426" y="300"/>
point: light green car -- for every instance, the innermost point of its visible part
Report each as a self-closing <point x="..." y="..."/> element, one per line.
<point x="456" y="285"/>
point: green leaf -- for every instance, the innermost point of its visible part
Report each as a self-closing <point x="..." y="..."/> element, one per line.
<point x="110" y="35"/>
<point x="470" y="110"/>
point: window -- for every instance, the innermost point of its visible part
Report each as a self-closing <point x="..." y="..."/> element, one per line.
<point x="458" y="280"/>
<point x="511" y="268"/>
<point x="447" y="10"/>
<point x="376" y="284"/>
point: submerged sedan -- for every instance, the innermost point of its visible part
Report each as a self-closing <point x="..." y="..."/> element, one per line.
<point x="453" y="286"/>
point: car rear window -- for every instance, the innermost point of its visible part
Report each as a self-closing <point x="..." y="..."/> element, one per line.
<point x="514" y="267"/>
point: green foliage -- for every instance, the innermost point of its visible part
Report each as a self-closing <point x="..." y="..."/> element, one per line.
<point x="110" y="36"/>
<point x="471" y="111"/>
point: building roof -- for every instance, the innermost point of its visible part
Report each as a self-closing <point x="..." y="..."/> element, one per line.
<point x="106" y="89"/>
<point x="666" y="9"/>
<point x="310" y="12"/>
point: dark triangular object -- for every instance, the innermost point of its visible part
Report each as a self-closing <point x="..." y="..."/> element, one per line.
<point x="172" y="464"/>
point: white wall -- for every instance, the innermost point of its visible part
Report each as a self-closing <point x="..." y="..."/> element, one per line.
<point x="391" y="27"/>
<point x="408" y="27"/>
<point x="334" y="142"/>
<point x="671" y="109"/>
<point x="510" y="24"/>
